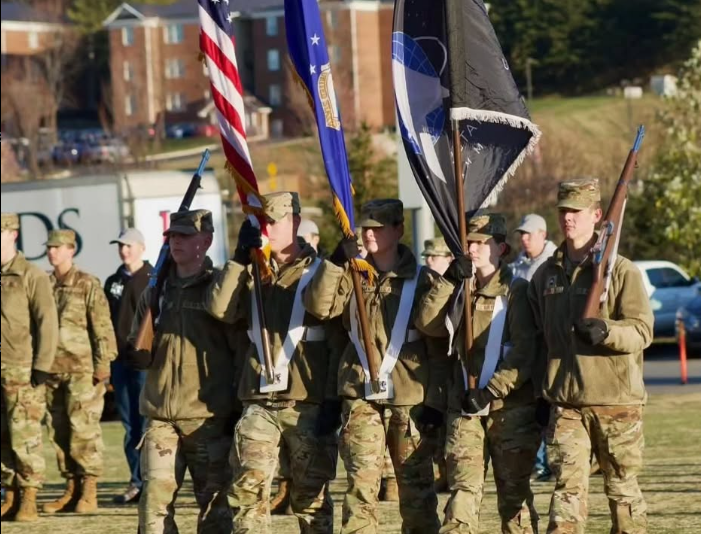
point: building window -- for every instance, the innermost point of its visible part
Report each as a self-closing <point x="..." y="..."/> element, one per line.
<point x="129" y="105"/>
<point x="335" y="54"/>
<point x="274" y="95"/>
<point x="175" y="68"/>
<point x="175" y="102"/>
<point x="332" y="19"/>
<point x="276" y="128"/>
<point x="128" y="72"/>
<point x="173" y="34"/>
<point x="271" y="28"/>
<point x="33" y="40"/>
<point x="273" y="60"/>
<point x="127" y="36"/>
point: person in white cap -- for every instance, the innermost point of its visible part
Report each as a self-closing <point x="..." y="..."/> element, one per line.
<point x="123" y="290"/>
<point x="535" y="246"/>
<point x="309" y="231"/>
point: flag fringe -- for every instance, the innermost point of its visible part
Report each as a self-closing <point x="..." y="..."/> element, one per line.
<point x="497" y="117"/>
<point x="298" y="80"/>
<point x="357" y="264"/>
<point x="262" y="254"/>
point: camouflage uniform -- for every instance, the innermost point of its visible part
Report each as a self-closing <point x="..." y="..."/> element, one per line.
<point x="29" y="337"/>
<point x="509" y="434"/>
<point x="86" y="347"/>
<point x="370" y="426"/>
<point x="289" y="416"/>
<point x="438" y="349"/>
<point x="188" y="398"/>
<point x="597" y="392"/>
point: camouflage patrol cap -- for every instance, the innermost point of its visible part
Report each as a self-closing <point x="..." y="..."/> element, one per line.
<point x="190" y="222"/>
<point x="436" y="247"/>
<point x="381" y="212"/>
<point x="484" y="227"/>
<point x="578" y="194"/>
<point x="280" y="204"/>
<point x="10" y="221"/>
<point x="61" y="237"/>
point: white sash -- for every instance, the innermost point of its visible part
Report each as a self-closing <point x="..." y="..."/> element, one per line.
<point x="492" y="353"/>
<point x="294" y="335"/>
<point x="397" y="338"/>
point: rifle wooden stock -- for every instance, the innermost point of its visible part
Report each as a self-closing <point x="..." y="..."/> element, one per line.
<point x="370" y="352"/>
<point x="144" y="338"/>
<point x="264" y="336"/>
<point x="606" y="248"/>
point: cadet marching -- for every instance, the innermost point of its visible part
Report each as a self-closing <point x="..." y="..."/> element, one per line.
<point x="210" y="409"/>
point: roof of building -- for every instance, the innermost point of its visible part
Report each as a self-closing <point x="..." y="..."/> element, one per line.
<point x="21" y="12"/>
<point x="188" y="8"/>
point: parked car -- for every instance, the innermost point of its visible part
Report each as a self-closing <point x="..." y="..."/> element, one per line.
<point x="180" y="131"/>
<point x="107" y="151"/>
<point x="669" y="288"/>
<point x="690" y="315"/>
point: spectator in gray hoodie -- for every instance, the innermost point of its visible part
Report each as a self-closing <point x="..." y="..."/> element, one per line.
<point x="535" y="246"/>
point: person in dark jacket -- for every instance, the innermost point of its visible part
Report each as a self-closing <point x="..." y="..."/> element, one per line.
<point x="123" y="290"/>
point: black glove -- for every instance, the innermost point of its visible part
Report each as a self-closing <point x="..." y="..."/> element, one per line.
<point x="460" y="269"/>
<point x="542" y="412"/>
<point x="329" y="420"/>
<point x="346" y="250"/>
<point x="591" y="331"/>
<point x="139" y="359"/>
<point x="249" y="238"/>
<point x="429" y="419"/>
<point x="39" y="377"/>
<point x="476" y="400"/>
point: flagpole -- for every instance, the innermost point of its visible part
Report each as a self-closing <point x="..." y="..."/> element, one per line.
<point x="467" y="311"/>
<point x="265" y="338"/>
<point x="458" y="75"/>
<point x="365" y="332"/>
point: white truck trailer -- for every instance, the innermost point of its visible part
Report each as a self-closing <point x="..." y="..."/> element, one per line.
<point x="99" y="207"/>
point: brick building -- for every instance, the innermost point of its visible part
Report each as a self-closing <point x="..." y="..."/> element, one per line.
<point x="156" y="72"/>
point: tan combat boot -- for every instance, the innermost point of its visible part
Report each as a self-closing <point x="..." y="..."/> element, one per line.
<point x="66" y="502"/>
<point x="88" y="496"/>
<point x="28" y="506"/>
<point x="389" y="491"/>
<point x="11" y="504"/>
<point x="279" y="503"/>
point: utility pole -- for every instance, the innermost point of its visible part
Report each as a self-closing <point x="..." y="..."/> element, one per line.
<point x="529" y="78"/>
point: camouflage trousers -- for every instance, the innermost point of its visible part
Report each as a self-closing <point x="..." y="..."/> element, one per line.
<point x="259" y="435"/>
<point x="168" y="448"/>
<point x="615" y="435"/>
<point x="368" y="428"/>
<point x="510" y="437"/>
<point x="23" y="409"/>
<point x="74" y="408"/>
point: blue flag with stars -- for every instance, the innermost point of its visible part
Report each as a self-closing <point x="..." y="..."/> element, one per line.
<point x="307" y="49"/>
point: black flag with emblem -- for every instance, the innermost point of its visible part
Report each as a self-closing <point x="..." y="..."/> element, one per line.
<point x="448" y="65"/>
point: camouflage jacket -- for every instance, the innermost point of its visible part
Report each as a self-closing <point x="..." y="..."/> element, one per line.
<point x="574" y="373"/>
<point x="29" y="321"/>
<point x="511" y="383"/>
<point x="328" y="296"/>
<point x="86" y="342"/>
<point x="230" y="300"/>
<point x="192" y="374"/>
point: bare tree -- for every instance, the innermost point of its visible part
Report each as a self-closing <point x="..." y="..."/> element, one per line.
<point x="23" y="113"/>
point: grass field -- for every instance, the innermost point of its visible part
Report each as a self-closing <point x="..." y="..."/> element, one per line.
<point x="671" y="482"/>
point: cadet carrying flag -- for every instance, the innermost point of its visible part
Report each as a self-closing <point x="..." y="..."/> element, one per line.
<point x="217" y="51"/>
<point x="307" y="49"/>
<point x="454" y="69"/>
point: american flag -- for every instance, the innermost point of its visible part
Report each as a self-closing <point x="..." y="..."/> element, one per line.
<point x="217" y="47"/>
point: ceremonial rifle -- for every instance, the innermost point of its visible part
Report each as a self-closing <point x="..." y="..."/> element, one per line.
<point x="157" y="278"/>
<point x="605" y="251"/>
